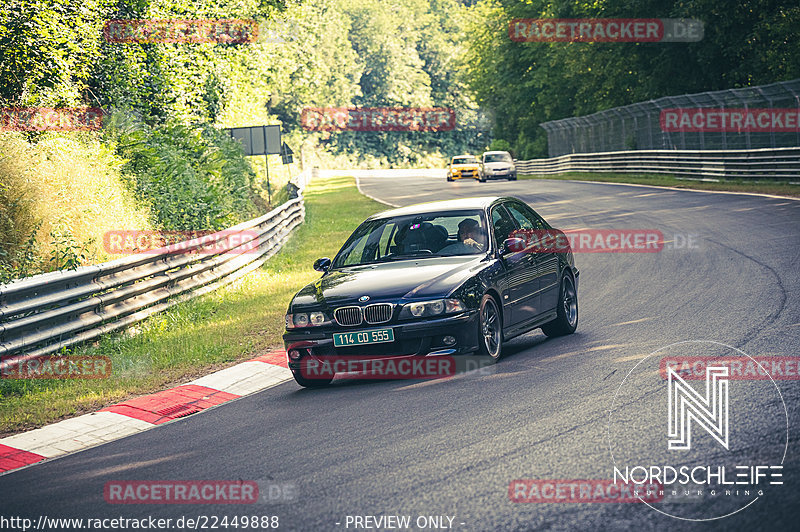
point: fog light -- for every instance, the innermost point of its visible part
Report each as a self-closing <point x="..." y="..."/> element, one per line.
<point x="448" y="340"/>
<point x="294" y="354"/>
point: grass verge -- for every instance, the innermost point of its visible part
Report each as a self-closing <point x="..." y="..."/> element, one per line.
<point x="761" y="186"/>
<point x="202" y="335"/>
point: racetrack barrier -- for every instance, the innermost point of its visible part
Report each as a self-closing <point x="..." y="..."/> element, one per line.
<point x="42" y="314"/>
<point x="766" y="163"/>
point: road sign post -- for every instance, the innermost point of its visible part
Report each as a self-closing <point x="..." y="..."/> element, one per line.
<point x="260" y="140"/>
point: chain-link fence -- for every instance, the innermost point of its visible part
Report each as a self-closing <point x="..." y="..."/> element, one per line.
<point x="767" y="116"/>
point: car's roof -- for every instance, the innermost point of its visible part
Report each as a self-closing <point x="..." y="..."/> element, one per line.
<point x="437" y="206"/>
<point x="494" y="152"/>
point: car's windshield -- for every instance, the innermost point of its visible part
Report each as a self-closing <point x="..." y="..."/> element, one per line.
<point x="426" y="235"/>
<point x="465" y="160"/>
<point x="497" y="158"/>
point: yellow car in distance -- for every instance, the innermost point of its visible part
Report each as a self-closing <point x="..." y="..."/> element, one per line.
<point x="462" y="166"/>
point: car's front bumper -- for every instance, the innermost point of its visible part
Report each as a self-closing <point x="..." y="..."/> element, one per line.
<point x="417" y="338"/>
<point x="503" y="174"/>
<point x="465" y="174"/>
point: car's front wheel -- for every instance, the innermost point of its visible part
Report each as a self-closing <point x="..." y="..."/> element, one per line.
<point x="310" y="383"/>
<point x="449" y="177"/>
<point x="482" y="178"/>
<point x="567" y="311"/>
<point x="490" y="329"/>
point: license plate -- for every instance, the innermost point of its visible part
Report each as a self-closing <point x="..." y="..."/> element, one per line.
<point x="374" y="336"/>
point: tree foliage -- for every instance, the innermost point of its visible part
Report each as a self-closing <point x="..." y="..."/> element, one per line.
<point x="525" y="84"/>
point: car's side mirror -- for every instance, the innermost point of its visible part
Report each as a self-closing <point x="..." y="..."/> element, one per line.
<point x="323" y="264"/>
<point x="512" y="245"/>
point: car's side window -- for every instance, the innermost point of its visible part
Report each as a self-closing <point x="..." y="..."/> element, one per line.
<point x="525" y="219"/>
<point x="502" y="225"/>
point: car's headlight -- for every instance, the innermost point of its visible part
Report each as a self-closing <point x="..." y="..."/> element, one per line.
<point x="422" y="309"/>
<point x="303" y="319"/>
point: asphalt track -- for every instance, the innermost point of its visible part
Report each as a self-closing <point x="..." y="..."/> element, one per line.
<point x="451" y="447"/>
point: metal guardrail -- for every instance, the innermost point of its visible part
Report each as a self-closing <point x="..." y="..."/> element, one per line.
<point x="767" y="163"/>
<point x="42" y="314"/>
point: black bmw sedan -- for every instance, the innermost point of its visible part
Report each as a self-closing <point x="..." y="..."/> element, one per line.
<point x="442" y="278"/>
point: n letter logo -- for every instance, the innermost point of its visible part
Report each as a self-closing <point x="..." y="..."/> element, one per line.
<point x="685" y="405"/>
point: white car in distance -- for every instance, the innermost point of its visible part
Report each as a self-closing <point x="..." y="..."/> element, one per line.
<point x="497" y="165"/>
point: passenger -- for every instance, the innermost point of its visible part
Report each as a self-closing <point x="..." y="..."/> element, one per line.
<point x="471" y="239"/>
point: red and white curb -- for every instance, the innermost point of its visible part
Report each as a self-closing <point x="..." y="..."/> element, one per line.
<point x="143" y="413"/>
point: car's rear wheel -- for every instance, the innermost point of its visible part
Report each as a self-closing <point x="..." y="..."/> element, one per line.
<point x="490" y="329"/>
<point x="310" y="383"/>
<point x="567" y="311"/>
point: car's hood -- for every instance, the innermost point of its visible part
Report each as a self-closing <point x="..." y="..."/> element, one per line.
<point x="465" y="165"/>
<point x="500" y="165"/>
<point x="391" y="281"/>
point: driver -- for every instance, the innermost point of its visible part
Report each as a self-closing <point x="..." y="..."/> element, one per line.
<point x="470" y="239"/>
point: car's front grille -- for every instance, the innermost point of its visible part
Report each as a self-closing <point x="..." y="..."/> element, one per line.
<point x="348" y="315"/>
<point x="378" y="313"/>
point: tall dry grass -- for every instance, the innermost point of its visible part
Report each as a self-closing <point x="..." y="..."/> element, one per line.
<point x="69" y="190"/>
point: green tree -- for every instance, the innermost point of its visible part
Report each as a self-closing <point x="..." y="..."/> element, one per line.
<point x="525" y="84"/>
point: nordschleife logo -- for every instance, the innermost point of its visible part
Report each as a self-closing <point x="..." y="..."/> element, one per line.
<point x="726" y="438"/>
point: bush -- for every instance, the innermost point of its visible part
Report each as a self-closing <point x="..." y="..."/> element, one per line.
<point x="190" y="178"/>
<point x="500" y="145"/>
